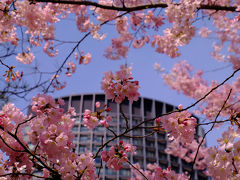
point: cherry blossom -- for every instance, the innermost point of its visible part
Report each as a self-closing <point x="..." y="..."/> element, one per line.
<point x="117" y="155"/>
<point x="119" y="86"/>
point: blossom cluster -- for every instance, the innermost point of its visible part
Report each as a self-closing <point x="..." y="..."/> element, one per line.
<point x="180" y="125"/>
<point x="120" y="85"/>
<point x="48" y="144"/>
<point x="187" y="152"/>
<point x="182" y="79"/>
<point x="117" y="155"/>
<point x="223" y="162"/>
<point x="91" y="119"/>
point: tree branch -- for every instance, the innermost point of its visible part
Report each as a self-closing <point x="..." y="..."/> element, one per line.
<point x="209" y="131"/>
<point x="136" y="8"/>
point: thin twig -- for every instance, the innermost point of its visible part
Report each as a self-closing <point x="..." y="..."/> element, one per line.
<point x="209" y="131"/>
<point x="23" y="123"/>
<point x="149" y="134"/>
<point x="4" y="64"/>
<point x="111" y="131"/>
<point x="203" y="124"/>
<point x="137" y="169"/>
<point x="124" y="116"/>
<point x="75" y="47"/>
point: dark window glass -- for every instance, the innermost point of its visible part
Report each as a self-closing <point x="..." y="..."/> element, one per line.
<point x="124" y="172"/>
<point x="101" y="99"/>
<point x="84" y="129"/>
<point x="110" y="172"/>
<point x="163" y="166"/>
<point x="97" y="138"/>
<point x="125" y="106"/>
<point x="162" y="156"/>
<point x="150" y="161"/>
<point x="174" y="159"/>
<point x="162" y="146"/>
<point x="149" y="143"/>
<point x="76" y="103"/>
<point x="65" y="106"/>
<point x="136" y="160"/>
<point x="84" y="138"/>
<point x="175" y="168"/>
<point x="169" y="108"/>
<point x="158" y="108"/>
<point x="87" y="102"/>
<point x="136" y="107"/>
<point x="148" y="107"/>
<point x="112" y="105"/>
<point x="75" y="128"/>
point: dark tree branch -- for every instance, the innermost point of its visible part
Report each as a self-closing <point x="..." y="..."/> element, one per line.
<point x="21" y="174"/>
<point x="15" y="150"/>
<point x="135" y="8"/>
<point x="137" y="169"/>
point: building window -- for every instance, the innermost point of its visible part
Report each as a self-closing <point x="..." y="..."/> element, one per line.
<point x="138" y="142"/>
<point x="99" y="129"/>
<point x="149" y="143"/>
<point x="97" y="138"/>
<point x="174" y="159"/>
<point x="75" y="138"/>
<point x="110" y="172"/>
<point x="139" y="161"/>
<point x="113" y="106"/>
<point x="158" y="108"/>
<point x="150" y="154"/>
<point x="124" y="172"/>
<point x="87" y="102"/>
<point x="75" y="129"/>
<point x="76" y="103"/>
<point x="169" y="108"/>
<point x="136" y="107"/>
<point x="162" y="156"/>
<point x="125" y="106"/>
<point x="65" y="106"/>
<point x="84" y="138"/>
<point x="162" y="146"/>
<point x="148" y="108"/>
<point x="139" y="152"/>
<point x="137" y="132"/>
<point x="77" y="119"/>
<point x="82" y="148"/>
<point x="101" y="99"/>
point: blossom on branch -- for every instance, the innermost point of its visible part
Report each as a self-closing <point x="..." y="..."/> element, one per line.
<point x="120" y="85"/>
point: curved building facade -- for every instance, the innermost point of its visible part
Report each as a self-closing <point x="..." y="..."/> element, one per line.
<point x="149" y="149"/>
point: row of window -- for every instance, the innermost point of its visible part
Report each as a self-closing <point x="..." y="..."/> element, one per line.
<point x="87" y="103"/>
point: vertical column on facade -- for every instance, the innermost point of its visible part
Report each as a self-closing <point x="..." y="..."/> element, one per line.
<point x="144" y="139"/>
<point x="168" y="156"/>
<point x="118" y="118"/>
<point x="155" y="134"/>
<point x="180" y="165"/>
<point x="104" y="140"/>
<point x="80" y="121"/>
<point x="91" y="132"/>
<point x="76" y="123"/>
<point x="131" y="133"/>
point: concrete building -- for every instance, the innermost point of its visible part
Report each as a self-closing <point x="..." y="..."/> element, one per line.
<point x="149" y="149"/>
